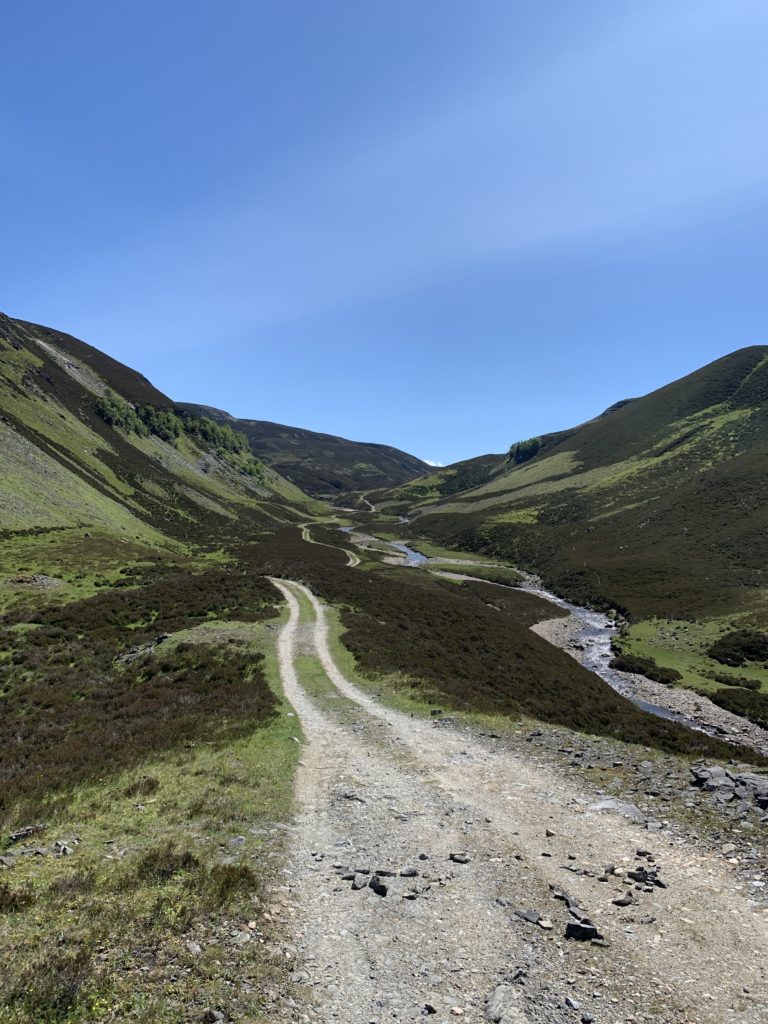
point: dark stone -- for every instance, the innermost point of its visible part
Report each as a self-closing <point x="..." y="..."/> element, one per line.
<point x="625" y="900"/>
<point x="378" y="886"/>
<point x="26" y="832"/>
<point x="531" y="916"/>
<point x="459" y="858"/>
<point x="582" y="931"/>
<point x="638" y="875"/>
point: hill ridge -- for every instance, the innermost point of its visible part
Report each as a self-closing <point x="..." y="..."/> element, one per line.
<point x="325" y="465"/>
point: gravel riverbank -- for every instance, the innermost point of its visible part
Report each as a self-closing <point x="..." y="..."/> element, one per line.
<point x="568" y="634"/>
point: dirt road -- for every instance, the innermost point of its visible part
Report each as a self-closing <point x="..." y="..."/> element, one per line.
<point x="382" y="792"/>
<point x="352" y="558"/>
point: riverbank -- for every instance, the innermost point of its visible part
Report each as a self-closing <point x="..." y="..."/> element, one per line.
<point x="569" y="634"/>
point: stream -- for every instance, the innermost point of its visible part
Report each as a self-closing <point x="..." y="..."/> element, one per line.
<point x="594" y="635"/>
<point x="412" y="557"/>
<point x="595" y="638"/>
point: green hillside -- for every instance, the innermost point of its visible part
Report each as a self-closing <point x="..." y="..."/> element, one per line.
<point x="94" y="458"/>
<point x="439" y="484"/>
<point x="321" y="464"/>
<point x="658" y="507"/>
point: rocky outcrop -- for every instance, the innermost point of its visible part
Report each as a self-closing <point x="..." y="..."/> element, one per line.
<point x="729" y="785"/>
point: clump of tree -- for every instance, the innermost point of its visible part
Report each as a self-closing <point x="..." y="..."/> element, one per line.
<point x="524" y="451"/>
<point x="142" y="420"/>
<point x="170" y="424"/>
<point x="740" y="646"/>
<point x="117" y="413"/>
<point x="214" y="435"/>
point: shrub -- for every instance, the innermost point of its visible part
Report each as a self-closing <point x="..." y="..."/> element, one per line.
<point x="746" y="703"/>
<point x="48" y="988"/>
<point x="225" y="881"/>
<point x="740" y="646"/>
<point x="742" y="681"/>
<point x="145" y="786"/>
<point x="645" y="667"/>
<point x="92" y="690"/>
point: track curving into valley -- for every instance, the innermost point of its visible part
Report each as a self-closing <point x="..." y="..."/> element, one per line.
<point x="353" y="559"/>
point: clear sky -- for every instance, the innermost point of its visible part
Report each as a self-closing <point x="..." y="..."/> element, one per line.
<point x="441" y="224"/>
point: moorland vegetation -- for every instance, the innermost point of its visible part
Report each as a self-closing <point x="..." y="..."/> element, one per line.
<point x="146" y="751"/>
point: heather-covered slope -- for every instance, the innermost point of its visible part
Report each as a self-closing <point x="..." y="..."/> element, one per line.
<point x="659" y="506"/>
<point x="322" y="464"/>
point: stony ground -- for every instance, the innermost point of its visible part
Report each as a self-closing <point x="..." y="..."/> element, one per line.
<point x="440" y="873"/>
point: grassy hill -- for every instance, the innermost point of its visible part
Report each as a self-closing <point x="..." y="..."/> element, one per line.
<point x="97" y="460"/>
<point x="439" y="484"/>
<point x="321" y="464"/>
<point x="658" y="507"/>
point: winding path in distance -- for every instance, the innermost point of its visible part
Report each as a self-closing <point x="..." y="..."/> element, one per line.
<point x="352" y="558"/>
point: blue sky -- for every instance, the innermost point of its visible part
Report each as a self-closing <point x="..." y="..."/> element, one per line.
<point x="444" y="225"/>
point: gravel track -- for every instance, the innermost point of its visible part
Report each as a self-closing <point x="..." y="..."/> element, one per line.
<point x="352" y="558"/>
<point x="378" y="788"/>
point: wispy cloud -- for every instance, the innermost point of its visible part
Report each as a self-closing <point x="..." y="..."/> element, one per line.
<point x="432" y="462"/>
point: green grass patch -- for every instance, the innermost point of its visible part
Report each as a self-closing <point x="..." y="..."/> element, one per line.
<point x="157" y="872"/>
<point x="431" y="550"/>
<point x="683" y="646"/>
<point x="507" y="577"/>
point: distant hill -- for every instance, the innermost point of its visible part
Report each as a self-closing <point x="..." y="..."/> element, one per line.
<point x="90" y="450"/>
<point x="321" y="464"/>
<point x="659" y="506"/>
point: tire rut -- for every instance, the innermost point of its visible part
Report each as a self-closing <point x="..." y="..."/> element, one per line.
<point x="378" y="788"/>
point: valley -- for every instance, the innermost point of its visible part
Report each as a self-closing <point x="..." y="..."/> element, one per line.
<point x="265" y="757"/>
